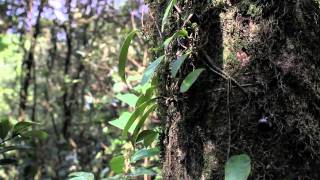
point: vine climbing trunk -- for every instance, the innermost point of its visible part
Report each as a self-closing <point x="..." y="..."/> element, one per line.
<point x="259" y="94"/>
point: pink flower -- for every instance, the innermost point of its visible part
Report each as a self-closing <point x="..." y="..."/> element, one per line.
<point x="243" y="58"/>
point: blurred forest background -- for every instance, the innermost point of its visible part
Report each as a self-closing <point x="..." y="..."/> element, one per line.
<point x="58" y="68"/>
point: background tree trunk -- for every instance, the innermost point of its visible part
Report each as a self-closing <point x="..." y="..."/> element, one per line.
<point x="269" y="53"/>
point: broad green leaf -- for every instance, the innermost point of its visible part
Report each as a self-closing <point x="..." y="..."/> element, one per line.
<point x="117" y="164"/>
<point x="36" y="134"/>
<point x="141" y="89"/>
<point x="148" y="73"/>
<point x="148" y="136"/>
<point x="238" y="167"/>
<point x="175" y="65"/>
<point x="138" y="112"/>
<point x="143" y="153"/>
<point x="141" y="121"/>
<point x="12" y="148"/>
<point x="81" y="176"/>
<point x="145" y="96"/>
<point x="128" y="98"/>
<point x="167" y="13"/>
<point x="142" y="171"/>
<point x="22" y="126"/>
<point x="122" y="121"/>
<point x="124" y="53"/>
<point x="8" y="161"/>
<point x="5" y="127"/>
<point x="190" y="79"/>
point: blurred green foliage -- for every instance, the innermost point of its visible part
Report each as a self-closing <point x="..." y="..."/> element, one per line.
<point x="10" y="60"/>
<point x="75" y="104"/>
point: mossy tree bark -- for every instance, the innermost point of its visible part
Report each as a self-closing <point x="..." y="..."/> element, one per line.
<point x="267" y="103"/>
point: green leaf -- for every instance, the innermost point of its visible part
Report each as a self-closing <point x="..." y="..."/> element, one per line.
<point x="8" y="161"/>
<point x="149" y="71"/>
<point x="128" y="98"/>
<point x="180" y="33"/>
<point x="148" y="136"/>
<point x="124" y="53"/>
<point x="190" y="79"/>
<point x="145" y="96"/>
<point x="12" y="148"/>
<point x="3" y="45"/>
<point x="175" y="65"/>
<point x="142" y="120"/>
<point x="143" y="153"/>
<point x="36" y="134"/>
<point x="168" y="41"/>
<point x="167" y="14"/>
<point x="117" y="164"/>
<point x="81" y="176"/>
<point x="5" y="127"/>
<point x="238" y="167"/>
<point x="22" y="126"/>
<point x="142" y="171"/>
<point x="122" y="121"/>
<point x="138" y="112"/>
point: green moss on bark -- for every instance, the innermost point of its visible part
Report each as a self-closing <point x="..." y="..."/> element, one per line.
<point x="271" y="49"/>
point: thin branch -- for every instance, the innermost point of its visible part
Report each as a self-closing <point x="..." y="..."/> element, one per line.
<point x="221" y="73"/>
<point x="155" y="22"/>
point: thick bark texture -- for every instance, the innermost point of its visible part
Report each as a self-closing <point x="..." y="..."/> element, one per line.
<point x="259" y="95"/>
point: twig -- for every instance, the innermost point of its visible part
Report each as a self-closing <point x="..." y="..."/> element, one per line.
<point x="187" y="20"/>
<point x="178" y="9"/>
<point x="221" y="73"/>
<point x="213" y="70"/>
<point x="223" y="89"/>
<point x="133" y="61"/>
<point x="155" y="22"/>
<point x="229" y="80"/>
<point x="8" y="139"/>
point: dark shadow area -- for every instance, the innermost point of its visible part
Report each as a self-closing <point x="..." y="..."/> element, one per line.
<point x="209" y="41"/>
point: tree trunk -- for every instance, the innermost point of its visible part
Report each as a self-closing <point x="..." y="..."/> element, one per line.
<point x="260" y="93"/>
<point x="28" y="66"/>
